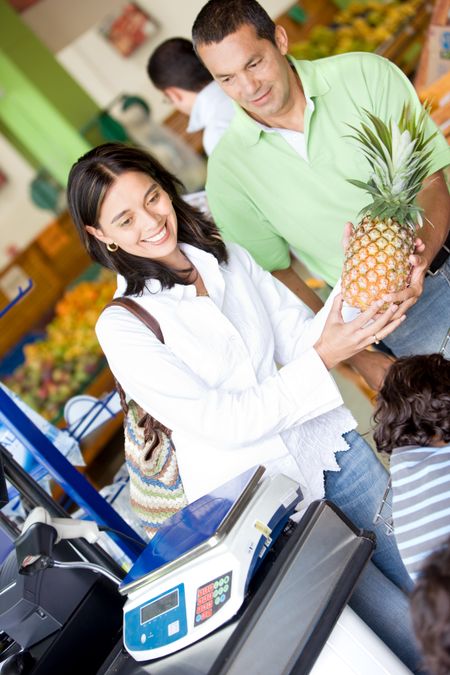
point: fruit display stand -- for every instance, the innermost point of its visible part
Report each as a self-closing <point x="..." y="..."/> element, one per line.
<point x="67" y="360"/>
<point x="437" y="96"/>
<point x="178" y="122"/>
<point x="68" y="357"/>
<point x="432" y="80"/>
<point x="395" y="29"/>
<point x="435" y="58"/>
<point x="53" y="325"/>
<point x="52" y="261"/>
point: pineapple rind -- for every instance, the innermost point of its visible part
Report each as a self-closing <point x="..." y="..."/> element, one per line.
<point x="376" y="261"/>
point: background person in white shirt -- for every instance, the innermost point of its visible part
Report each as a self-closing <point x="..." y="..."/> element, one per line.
<point x="214" y="382"/>
<point x="175" y="69"/>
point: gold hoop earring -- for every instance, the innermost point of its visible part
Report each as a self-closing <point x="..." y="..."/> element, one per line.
<point x="112" y="248"/>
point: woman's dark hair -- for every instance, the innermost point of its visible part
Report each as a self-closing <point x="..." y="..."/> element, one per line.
<point x="430" y="611"/>
<point x="220" y="18"/>
<point x="89" y="180"/>
<point x="175" y="64"/>
<point x="413" y="405"/>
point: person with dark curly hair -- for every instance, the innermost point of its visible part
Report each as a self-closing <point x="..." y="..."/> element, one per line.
<point x="430" y="609"/>
<point x="412" y="421"/>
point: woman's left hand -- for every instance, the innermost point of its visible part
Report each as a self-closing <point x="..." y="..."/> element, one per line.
<point x="340" y="341"/>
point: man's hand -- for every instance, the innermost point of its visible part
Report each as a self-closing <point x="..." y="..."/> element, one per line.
<point x="372" y="366"/>
<point x="409" y="296"/>
<point x="348" y="231"/>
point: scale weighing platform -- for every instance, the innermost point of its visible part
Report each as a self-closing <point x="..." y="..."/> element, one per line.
<point x="287" y="617"/>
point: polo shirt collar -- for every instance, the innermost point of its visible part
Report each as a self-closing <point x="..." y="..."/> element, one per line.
<point x="314" y="84"/>
<point x="248" y="129"/>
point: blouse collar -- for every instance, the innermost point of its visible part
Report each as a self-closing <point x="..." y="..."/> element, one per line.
<point x="209" y="268"/>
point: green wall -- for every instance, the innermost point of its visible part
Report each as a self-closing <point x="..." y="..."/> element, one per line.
<point x="38" y="125"/>
<point x="41" y="106"/>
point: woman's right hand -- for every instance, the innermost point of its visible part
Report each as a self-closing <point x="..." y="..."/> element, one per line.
<point x="340" y="341"/>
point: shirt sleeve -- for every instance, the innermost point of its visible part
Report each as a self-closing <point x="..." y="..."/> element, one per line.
<point x="167" y="388"/>
<point x="239" y="218"/>
<point x="295" y="327"/>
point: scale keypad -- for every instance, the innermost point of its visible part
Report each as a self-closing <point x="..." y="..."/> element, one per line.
<point x="211" y="597"/>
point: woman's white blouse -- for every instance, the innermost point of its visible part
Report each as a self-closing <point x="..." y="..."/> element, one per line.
<point x="215" y="381"/>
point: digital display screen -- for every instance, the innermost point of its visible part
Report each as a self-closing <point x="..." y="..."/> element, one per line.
<point x="159" y="606"/>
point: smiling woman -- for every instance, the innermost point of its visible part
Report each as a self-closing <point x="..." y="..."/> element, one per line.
<point x="131" y="218"/>
<point x="215" y="380"/>
<point x="138" y="216"/>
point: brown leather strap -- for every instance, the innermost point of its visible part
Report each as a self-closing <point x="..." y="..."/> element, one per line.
<point x="141" y="313"/>
<point x="148" y="422"/>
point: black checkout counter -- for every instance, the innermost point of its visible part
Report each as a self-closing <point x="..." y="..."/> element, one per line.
<point x="290" y="609"/>
<point x="294" y="602"/>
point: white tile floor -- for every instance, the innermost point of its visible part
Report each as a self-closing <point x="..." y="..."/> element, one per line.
<point x="358" y="403"/>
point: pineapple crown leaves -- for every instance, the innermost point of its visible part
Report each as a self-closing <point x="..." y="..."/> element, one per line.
<point x="399" y="155"/>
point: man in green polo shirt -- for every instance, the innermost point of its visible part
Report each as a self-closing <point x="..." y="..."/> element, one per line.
<point x="277" y="181"/>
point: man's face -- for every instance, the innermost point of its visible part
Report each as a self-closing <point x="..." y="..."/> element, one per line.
<point x="252" y="71"/>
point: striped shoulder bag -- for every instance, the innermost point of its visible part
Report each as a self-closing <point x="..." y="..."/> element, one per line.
<point x="156" y="490"/>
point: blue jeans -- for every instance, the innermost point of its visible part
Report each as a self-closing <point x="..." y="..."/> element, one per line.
<point x="428" y="321"/>
<point x="379" y="597"/>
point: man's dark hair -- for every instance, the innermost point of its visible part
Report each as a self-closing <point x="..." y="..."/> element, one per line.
<point x="175" y="64"/>
<point x="220" y="18"/>
<point x="413" y="405"/>
<point x="430" y="611"/>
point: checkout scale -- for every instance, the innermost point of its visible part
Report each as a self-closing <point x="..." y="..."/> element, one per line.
<point x="229" y="587"/>
<point x="193" y="576"/>
<point x="198" y="600"/>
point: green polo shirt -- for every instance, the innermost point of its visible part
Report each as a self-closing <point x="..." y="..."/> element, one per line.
<point x="263" y="195"/>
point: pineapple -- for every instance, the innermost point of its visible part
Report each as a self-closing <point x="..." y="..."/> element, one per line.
<point x="376" y="260"/>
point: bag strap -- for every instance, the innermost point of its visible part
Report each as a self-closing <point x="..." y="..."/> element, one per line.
<point x="141" y="313"/>
<point x="147" y="421"/>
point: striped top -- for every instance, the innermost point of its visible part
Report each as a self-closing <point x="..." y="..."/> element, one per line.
<point x="421" y="502"/>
